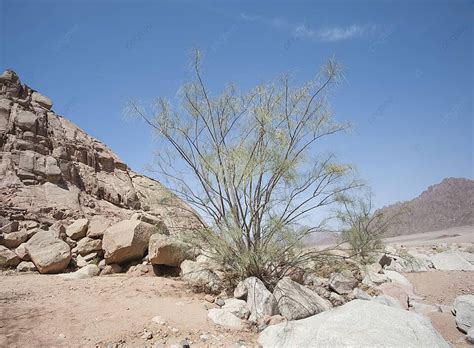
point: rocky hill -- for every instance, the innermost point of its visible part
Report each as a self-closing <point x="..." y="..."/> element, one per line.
<point x="445" y="205"/>
<point x="51" y="170"/>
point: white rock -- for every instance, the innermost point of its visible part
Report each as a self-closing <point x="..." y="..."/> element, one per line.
<point x="296" y="301"/>
<point x="342" y="284"/>
<point x="26" y="266"/>
<point x="236" y="307"/>
<point x="463" y="308"/>
<point x="423" y="308"/>
<point x="396" y="277"/>
<point x="356" y="324"/>
<point x="260" y="301"/>
<point x="224" y="318"/>
<point x="85" y="272"/>
<point x="451" y="261"/>
<point x="197" y="275"/>
<point x="388" y="301"/>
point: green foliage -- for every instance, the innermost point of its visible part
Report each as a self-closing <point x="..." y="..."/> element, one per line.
<point x="363" y="229"/>
<point x="250" y="166"/>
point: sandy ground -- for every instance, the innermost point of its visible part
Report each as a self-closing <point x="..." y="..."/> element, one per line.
<point x="464" y="234"/>
<point x="442" y="287"/>
<point x="42" y="310"/>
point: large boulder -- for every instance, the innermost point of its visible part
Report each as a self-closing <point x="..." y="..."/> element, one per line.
<point x="356" y="324"/>
<point x="8" y="258"/>
<point x="126" y="241"/>
<point x="463" y="308"/>
<point x="198" y="276"/>
<point x="167" y="250"/>
<point x="260" y="301"/>
<point x="451" y="261"/>
<point x="341" y="283"/>
<point x="48" y="253"/>
<point x="396" y="291"/>
<point x="296" y="301"/>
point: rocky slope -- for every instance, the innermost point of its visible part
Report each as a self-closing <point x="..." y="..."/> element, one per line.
<point x="445" y="205"/>
<point x="51" y="170"/>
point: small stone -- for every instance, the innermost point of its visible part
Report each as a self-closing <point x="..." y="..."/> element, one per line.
<point x="175" y="330"/>
<point x="159" y="320"/>
<point x="147" y="335"/>
<point x="204" y="338"/>
<point x="220" y="302"/>
<point x="209" y="298"/>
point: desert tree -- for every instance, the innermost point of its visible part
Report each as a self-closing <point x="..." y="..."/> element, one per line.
<point x="249" y="163"/>
<point x="363" y="227"/>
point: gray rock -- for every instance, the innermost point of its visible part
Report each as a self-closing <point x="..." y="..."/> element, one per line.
<point x="224" y="318"/>
<point x="361" y="294"/>
<point x="26" y="266"/>
<point x="237" y="307"/>
<point x="260" y="301"/>
<point x="388" y="301"/>
<point x="49" y="254"/>
<point x="167" y="250"/>
<point x="342" y="284"/>
<point x="355" y="324"/>
<point x="396" y="277"/>
<point x="240" y="291"/>
<point x="77" y="229"/>
<point x="197" y="275"/>
<point x="423" y="308"/>
<point x="470" y="335"/>
<point x="374" y="279"/>
<point x="126" y="241"/>
<point x="451" y="261"/>
<point x="463" y="308"/>
<point x="8" y="258"/>
<point x="88" y="245"/>
<point x="296" y="301"/>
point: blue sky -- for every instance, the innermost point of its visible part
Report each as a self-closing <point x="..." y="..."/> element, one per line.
<point x="408" y="68"/>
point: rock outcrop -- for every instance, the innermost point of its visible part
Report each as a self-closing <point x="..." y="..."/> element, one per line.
<point x="52" y="170"/>
<point x="56" y="178"/>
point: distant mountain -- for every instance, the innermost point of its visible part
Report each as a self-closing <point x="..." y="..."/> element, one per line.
<point x="447" y="204"/>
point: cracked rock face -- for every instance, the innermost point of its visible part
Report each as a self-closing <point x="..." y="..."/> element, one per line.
<point x="51" y="170"/>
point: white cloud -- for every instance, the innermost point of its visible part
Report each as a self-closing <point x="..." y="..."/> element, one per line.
<point x="331" y="34"/>
<point x="302" y="31"/>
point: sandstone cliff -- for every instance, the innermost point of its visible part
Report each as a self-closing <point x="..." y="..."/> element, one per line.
<point x="51" y="170"/>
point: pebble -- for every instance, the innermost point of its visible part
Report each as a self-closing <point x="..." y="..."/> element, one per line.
<point x="209" y="298"/>
<point x="220" y="302"/>
<point x="204" y="338"/>
<point x="147" y="335"/>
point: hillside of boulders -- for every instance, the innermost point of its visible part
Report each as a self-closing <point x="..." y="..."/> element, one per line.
<point x="445" y="205"/>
